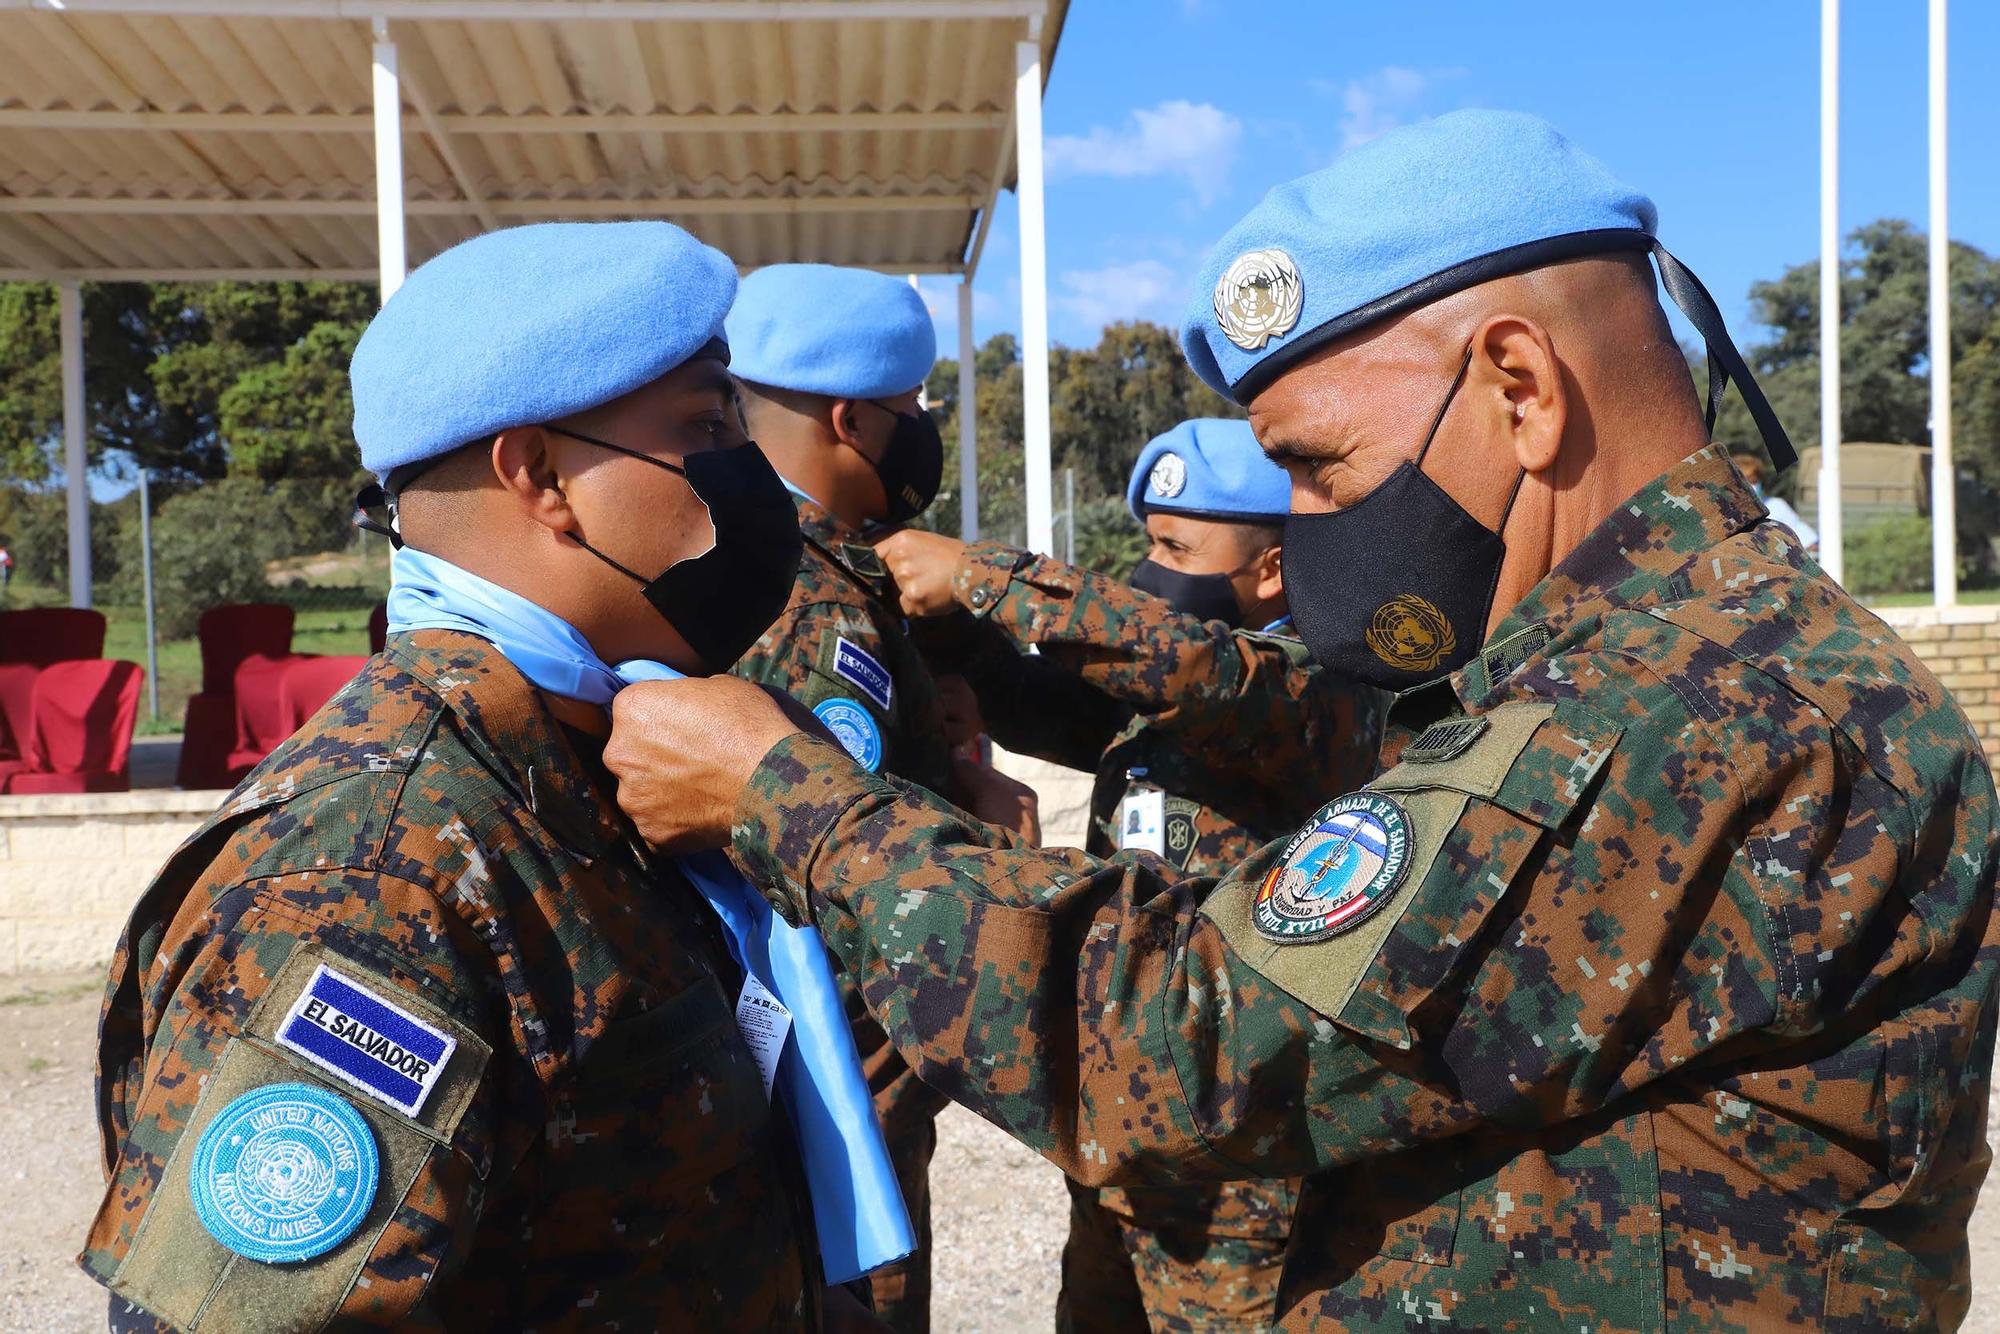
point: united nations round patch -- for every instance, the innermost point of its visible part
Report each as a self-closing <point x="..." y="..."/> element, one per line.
<point x="1169" y="476"/>
<point x="1335" y="872"/>
<point x="854" y="727"/>
<point x="284" y="1172"/>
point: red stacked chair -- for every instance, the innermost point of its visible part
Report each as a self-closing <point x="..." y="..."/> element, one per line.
<point x="212" y="747"/>
<point x="80" y="734"/>
<point x="29" y="641"/>
<point x="378" y="627"/>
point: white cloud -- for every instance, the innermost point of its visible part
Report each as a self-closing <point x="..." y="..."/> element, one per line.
<point x="1193" y="140"/>
<point x="1142" y="289"/>
<point x="1374" y="104"/>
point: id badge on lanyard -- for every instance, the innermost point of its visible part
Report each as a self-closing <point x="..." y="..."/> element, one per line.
<point x="1142" y="816"/>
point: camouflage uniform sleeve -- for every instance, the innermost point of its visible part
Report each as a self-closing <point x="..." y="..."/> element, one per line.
<point x="219" y="996"/>
<point x="1253" y="706"/>
<point x="1132" y="1025"/>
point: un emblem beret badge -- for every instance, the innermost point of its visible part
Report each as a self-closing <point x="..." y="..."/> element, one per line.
<point x="1258" y="298"/>
<point x="1169" y="476"/>
<point x="1336" y="872"/>
<point x="284" y="1173"/>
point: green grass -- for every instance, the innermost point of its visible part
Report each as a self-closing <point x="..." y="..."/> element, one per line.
<point x="1978" y="597"/>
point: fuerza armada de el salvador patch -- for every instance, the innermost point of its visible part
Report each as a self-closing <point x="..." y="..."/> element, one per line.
<point x="859" y="668"/>
<point x="366" y="1040"/>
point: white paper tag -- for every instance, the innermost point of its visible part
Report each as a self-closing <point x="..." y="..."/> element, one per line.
<point x="765" y="1023"/>
<point x="1142" y="821"/>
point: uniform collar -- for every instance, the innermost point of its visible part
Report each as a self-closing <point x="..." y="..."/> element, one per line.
<point x="845" y="548"/>
<point x="1640" y="555"/>
<point x="507" y="723"/>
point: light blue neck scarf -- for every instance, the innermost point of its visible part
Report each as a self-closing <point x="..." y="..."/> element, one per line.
<point x="857" y="1204"/>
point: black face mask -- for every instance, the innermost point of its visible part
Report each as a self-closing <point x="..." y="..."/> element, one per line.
<point x="1394" y="590"/>
<point x="1208" y="596"/>
<point x="723" y="599"/>
<point x="912" y="467"/>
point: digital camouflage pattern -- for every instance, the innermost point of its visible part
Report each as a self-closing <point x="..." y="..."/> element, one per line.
<point x="600" y="1152"/>
<point x="1681" y="1018"/>
<point x="1118" y="677"/>
<point x="845" y="592"/>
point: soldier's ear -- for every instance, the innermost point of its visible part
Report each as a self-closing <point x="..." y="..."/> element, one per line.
<point x="1515" y="360"/>
<point x="1269" y="569"/>
<point x="525" y="461"/>
<point x="846" y="418"/>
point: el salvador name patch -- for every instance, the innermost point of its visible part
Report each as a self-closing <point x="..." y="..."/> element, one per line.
<point x="854" y="727"/>
<point x="284" y="1172"/>
<point x="860" y="669"/>
<point x="366" y="1040"/>
<point x="1345" y="864"/>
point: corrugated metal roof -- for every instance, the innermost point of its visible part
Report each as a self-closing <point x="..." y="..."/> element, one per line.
<point x="221" y="136"/>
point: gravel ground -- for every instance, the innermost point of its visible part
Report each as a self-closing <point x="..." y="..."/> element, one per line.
<point x="999" y="1225"/>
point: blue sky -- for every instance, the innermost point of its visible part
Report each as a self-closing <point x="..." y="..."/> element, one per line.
<point x="1166" y="120"/>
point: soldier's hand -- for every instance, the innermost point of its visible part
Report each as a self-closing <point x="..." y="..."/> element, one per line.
<point x="923" y="565"/>
<point x="998" y="799"/>
<point x="683" y="751"/>
<point x="962" y="720"/>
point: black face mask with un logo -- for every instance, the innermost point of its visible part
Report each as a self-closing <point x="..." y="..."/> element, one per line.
<point x="1394" y="590"/>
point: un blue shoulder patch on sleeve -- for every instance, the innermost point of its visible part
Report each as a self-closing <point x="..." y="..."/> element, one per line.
<point x="366" y="1039"/>
<point x="855" y="728"/>
<point x="862" y="670"/>
<point x="284" y="1173"/>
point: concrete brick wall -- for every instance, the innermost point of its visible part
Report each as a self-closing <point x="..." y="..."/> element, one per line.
<point x="71" y="868"/>
<point x="1961" y="645"/>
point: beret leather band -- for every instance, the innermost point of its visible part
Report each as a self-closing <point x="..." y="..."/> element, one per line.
<point x="1725" y="363"/>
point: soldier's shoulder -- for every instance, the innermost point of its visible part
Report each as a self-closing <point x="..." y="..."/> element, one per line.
<point x="382" y="766"/>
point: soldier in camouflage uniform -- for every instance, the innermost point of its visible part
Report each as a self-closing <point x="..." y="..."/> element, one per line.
<point x="1651" y="987"/>
<point x="831" y="362"/>
<point x="1205" y="1256"/>
<point x="414" y="1031"/>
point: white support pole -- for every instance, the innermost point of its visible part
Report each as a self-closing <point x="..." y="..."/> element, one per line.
<point x="388" y="163"/>
<point x="1944" y="483"/>
<point x="923" y="390"/>
<point x="76" y="467"/>
<point x="1830" y="553"/>
<point x="75" y="433"/>
<point x="968" y="412"/>
<point x="1034" y="290"/>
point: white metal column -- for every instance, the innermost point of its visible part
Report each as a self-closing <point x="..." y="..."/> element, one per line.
<point x="1944" y="484"/>
<point x="1034" y="289"/>
<point x="76" y="466"/>
<point x="388" y="163"/>
<point x="924" y="389"/>
<point x="1830" y="554"/>
<point x="968" y="411"/>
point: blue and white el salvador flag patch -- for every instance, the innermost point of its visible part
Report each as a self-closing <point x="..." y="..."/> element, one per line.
<point x="364" y="1039"/>
<point x="861" y="670"/>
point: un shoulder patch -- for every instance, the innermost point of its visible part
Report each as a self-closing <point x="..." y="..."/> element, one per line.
<point x="1337" y="871"/>
<point x="284" y="1173"/>
<point x="854" y="727"/>
<point x="363" y="1038"/>
<point x="1445" y="741"/>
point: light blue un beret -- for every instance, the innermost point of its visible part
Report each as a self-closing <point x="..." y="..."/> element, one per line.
<point x="527" y="325"/>
<point x="819" y="329"/>
<point x="1401" y="221"/>
<point x="1209" y="468"/>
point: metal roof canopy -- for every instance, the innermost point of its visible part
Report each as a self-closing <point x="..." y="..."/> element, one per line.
<point x="155" y="140"/>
